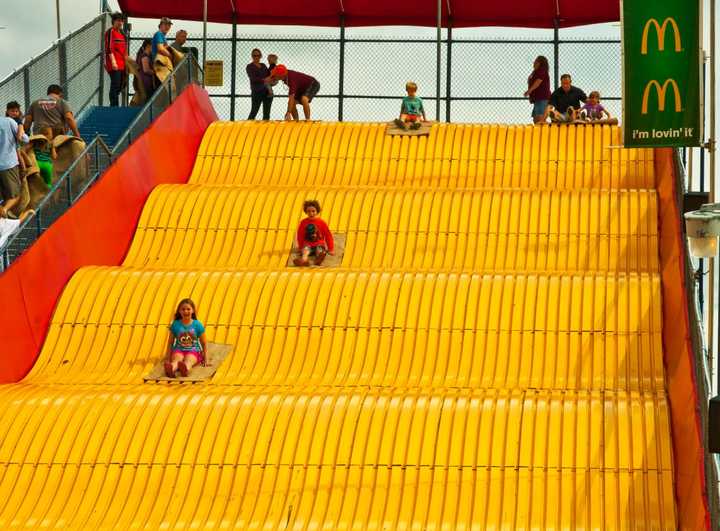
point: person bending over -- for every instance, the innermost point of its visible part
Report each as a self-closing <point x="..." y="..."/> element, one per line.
<point x="302" y="88"/>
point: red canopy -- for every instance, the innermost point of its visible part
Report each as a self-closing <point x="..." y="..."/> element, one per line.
<point x="464" y="13"/>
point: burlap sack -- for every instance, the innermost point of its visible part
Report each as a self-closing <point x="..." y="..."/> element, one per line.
<point x="68" y="149"/>
<point x="139" y="97"/>
<point x="164" y="66"/>
<point x="34" y="187"/>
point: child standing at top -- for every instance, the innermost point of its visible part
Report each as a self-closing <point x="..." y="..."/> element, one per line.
<point x="411" y="111"/>
<point x="592" y="110"/>
<point x="187" y="345"/>
<point x="313" y="236"/>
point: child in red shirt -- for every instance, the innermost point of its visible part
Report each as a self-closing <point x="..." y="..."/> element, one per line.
<point x="313" y="236"/>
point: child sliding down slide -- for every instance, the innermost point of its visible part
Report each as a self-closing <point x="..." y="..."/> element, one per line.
<point x="313" y="236"/>
<point x="187" y="345"/>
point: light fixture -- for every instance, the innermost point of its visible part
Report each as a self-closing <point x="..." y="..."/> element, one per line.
<point x="703" y="228"/>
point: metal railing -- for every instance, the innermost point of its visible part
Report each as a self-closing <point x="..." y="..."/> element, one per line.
<point x="93" y="161"/>
<point x="74" y="62"/>
<point x="363" y="78"/>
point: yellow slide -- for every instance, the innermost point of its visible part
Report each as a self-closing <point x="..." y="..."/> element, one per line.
<point x="488" y="354"/>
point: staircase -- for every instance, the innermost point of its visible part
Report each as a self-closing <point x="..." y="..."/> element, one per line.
<point x="108" y="122"/>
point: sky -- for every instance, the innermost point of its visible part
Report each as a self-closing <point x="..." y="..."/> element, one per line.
<point x="495" y="70"/>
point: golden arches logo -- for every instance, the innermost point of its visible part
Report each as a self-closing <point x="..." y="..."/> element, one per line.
<point x="661" y="94"/>
<point x="660" y="29"/>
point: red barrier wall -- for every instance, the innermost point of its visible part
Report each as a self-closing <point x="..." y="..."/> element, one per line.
<point x="98" y="229"/>
<point x="688" y="448"/>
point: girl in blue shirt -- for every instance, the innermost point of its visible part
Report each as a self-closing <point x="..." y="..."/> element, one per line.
<point x="187" y="345"/>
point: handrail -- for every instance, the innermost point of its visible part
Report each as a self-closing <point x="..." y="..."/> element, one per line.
<point x="187" y="64"/>
<point x="160" y="90"/>
<point x="64" y="180"/>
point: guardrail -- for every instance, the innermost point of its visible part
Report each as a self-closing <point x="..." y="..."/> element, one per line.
<point x="93" y="161"/>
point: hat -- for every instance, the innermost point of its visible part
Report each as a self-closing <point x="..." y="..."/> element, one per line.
<point x="279" y="71"/>
<point x="165" y="20"/>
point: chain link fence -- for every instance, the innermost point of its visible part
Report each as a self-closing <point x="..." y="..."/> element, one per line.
<point x="363" y="78"/>
<point x="74" y="62"/>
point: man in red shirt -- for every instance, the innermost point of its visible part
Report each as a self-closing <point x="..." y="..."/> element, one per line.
<point x="302" y="88"/>
<point x="115" y="47"/>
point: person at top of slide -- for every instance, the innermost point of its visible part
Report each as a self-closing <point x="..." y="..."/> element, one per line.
<point x="302" y="88"/>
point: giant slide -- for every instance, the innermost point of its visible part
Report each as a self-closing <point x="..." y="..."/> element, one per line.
<point x="489" y="354"/>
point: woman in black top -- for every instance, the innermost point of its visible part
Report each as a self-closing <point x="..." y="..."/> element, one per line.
<point x="260" y="92"/>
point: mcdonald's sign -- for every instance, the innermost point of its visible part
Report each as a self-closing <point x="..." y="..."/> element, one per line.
<point x="660" y="34"/>
<point x="662" y="81"/>
<point x="661" y="95"/>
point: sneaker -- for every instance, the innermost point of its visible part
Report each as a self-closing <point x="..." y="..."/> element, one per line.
<point x="319" y="258"/>
<point x="183" y="369"/>
<point x="169" y="370"/>
<point x="300" y="262"/>
<point x="416" y="125"/>
<point x="400" y="123"/>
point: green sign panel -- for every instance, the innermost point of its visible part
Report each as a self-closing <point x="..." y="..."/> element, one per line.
<point x="661" y="73"/>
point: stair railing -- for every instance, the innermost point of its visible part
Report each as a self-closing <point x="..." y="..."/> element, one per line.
<point x="98" y="157"/>
<point x="81" y="174"/>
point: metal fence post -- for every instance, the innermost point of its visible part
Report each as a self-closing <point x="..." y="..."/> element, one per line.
<point x="438" y="60"/>
<point x="26" y="88"/>
<point x="556" y="51"/>
<point x="62" y="59"/>
<point x="101" y="84"/>
<point x="448" y="71"/>
<point x="233" y="67"/>
<point x="341" y="80"/>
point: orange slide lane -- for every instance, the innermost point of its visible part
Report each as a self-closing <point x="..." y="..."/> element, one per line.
<point x="98" y="229"/>
<point x="688" y="448"/>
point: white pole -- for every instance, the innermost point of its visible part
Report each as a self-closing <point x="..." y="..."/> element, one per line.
<point x="439" y="58"/>
<point x="204" y="36"/>
<point x="57" y="16"/>
<point x="711" y="156"/>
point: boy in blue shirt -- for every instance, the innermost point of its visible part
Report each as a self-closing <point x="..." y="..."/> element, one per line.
<point x="411" y="111"/>
<point x="159" y="41"/>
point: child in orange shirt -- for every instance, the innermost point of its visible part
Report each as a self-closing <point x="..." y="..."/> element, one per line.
<point x="313" y="236"/>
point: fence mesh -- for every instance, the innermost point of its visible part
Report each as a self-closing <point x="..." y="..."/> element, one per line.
<point x="487" y="75"/>
<point x="75" y="63"/>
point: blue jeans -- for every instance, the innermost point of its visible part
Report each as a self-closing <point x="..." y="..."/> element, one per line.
<point x="539" y="108"/>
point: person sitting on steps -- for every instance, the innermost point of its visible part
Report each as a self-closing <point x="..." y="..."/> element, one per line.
<point x="412" y="111"/>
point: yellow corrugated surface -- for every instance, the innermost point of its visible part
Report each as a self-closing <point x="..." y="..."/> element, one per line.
<point x="487" y="356"/>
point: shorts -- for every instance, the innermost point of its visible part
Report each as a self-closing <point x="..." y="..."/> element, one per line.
<point x="10" y="183"/>
<point x="314" y="249"/>
<point x="412" y="117"/>
<point x="311" y="91"/>
<point x="539" y="108"/>
<point x="46" y="171"/>
<point x="198" y="355"/>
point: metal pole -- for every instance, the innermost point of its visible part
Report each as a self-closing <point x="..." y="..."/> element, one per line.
<point x="57" y="16"/>
<point x="556" y="52"/>
<point x="711" y="149"/>
<point x="204" y="37"/>
<point x="233" y="67"/>
<point x="341" y="80"/>
<point x="439" y="58"/>
<point x="448" y="72"/>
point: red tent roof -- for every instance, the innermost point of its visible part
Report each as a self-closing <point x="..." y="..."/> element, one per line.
<point x="464" y="13"/>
